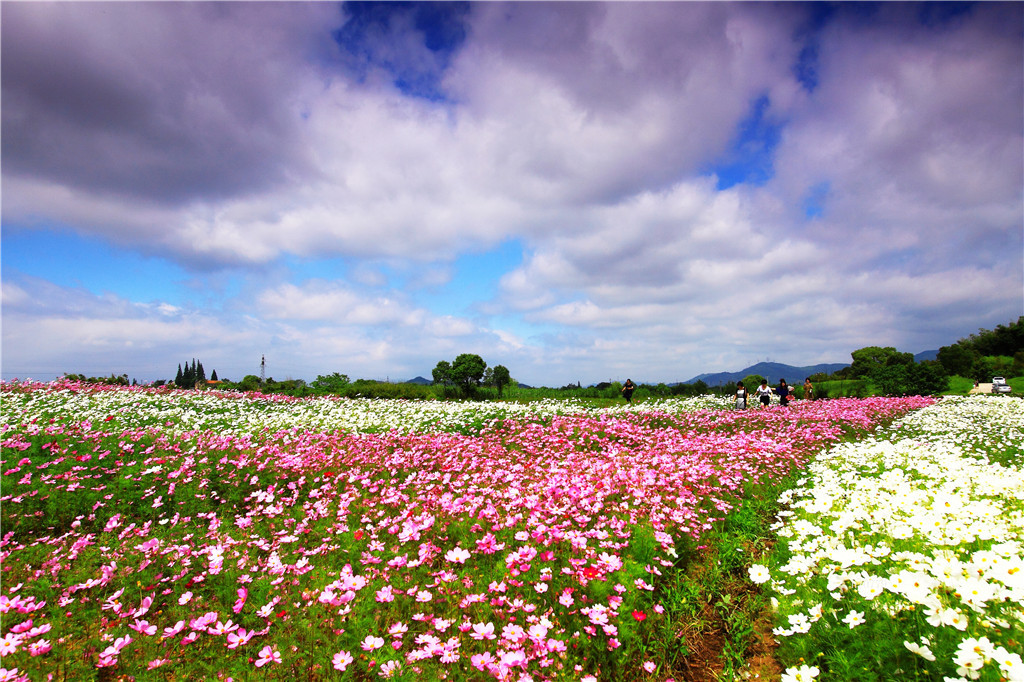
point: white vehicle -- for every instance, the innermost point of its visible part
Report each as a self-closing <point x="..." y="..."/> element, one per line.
<point x="999" y="385"/>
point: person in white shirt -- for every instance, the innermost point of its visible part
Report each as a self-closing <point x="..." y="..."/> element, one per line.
<point x="764" y="393"/>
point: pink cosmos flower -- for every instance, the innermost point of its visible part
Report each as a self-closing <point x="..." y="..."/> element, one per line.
<point x="143" y="627"/>
<point x="243" y="594"/>
<point x="239" y="638"/>
<point x="341" y="660"/>
<point x="156" y="663"/>
<point x="9" y="644"/>
<point x="457" y="555"/>
<point x="482" y="631"/>
<point x="483" y="661"/>
<point x="649" y="666"/>
<point x="39" y="647"/>
<point x="371" y="643"/>
<point x="268" y="654"/>
<point x="222" y="628"/>
<point x="171" y="632"/>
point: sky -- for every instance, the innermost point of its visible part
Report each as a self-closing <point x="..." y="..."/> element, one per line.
<point x="580" y="192"/>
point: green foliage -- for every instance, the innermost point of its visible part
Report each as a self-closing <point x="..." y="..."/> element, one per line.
<point x="843" y="388"/>
<point x="866" y="360"/>
<point x="500" y="377"/>
<point x="250" y="382"/>
<point x="975" y="356"/>
<point x="467" y="372"/>
<point x="364" y="388"/>
<point x="333" y="383"/>
<point x="752" y="381"/>
<point x="926" y="378"/>
<point x="112" y="380"/>
<point x="442" y="375"/>
<point x="958" y="359"/>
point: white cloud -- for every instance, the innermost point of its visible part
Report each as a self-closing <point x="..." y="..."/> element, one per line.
<point x="585" y="132"/>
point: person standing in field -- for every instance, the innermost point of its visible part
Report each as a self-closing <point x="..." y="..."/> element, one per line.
<point x="808" y="389"/>
<point x="627" y="390"/>
<point x="741" y="397"/>
<point x="764" y="394"/>
<point x="783" y="390"/>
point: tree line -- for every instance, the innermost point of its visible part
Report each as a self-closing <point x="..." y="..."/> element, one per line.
<point x="874" y="370"/>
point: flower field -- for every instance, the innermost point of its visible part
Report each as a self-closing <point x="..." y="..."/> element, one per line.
<point x="172" y="535"/>
<point x="902" y="553"/>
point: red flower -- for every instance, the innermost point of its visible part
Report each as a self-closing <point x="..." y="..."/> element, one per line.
<point x="639" y="615"/>
<point x="358" y="534"/>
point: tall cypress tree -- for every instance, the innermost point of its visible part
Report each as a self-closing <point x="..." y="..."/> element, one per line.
<point x="213" y="377"/>
<point x="179" y="378"/>
<point x="201" y="374"/>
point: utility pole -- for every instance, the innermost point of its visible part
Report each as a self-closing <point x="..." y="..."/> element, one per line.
<point x="263" y="369"/>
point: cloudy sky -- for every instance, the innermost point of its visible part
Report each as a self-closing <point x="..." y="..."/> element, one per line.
<point x="578" y="191"/>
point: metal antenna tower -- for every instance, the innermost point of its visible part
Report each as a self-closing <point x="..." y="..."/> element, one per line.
<point x="263" y="369"/>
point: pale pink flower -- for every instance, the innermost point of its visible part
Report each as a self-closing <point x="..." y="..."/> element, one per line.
<point x="371" y="643"/>
<point x="171" y="632"/>
<point x="341" y="660"/>
<point x="457" y="555"/>
<point x="9" y="644"/>
<point x="483" y="631"/>
<point x="268" y="654"/>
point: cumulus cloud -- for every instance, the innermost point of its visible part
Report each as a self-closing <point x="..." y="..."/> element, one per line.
<point x="599" y="136"/>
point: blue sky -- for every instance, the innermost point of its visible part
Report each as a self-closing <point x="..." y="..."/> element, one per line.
<point x="577" y="191"/>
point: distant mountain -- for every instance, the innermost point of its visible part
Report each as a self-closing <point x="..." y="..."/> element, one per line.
<point x="926" y="355"/>
<point x="772" y="371"/>
<point x="420" y="381"/>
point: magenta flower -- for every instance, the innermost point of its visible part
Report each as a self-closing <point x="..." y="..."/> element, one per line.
<point x="243" y="594"/>
<point x="268" y="654"/>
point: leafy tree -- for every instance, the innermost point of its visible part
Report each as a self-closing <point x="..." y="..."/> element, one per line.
<point x="925" y="378"/>
<point x="333" y="383"/>
<point x="501" y="377"/>
<point x="442" y="375"/>
<point x="866" y="360"/>
<point x="752" y="381"/>
<point x="1003" y="340"/>
<point x="250" y="383"/>
<point x="958" y="359"/>
<point x="467" y="372"/>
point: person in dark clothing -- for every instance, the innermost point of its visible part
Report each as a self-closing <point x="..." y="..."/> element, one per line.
<point x="783" y="391"/>
<point x="627" y="390"/>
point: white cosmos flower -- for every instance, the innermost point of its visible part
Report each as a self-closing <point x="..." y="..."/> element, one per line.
<point x="759" y="574"/>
